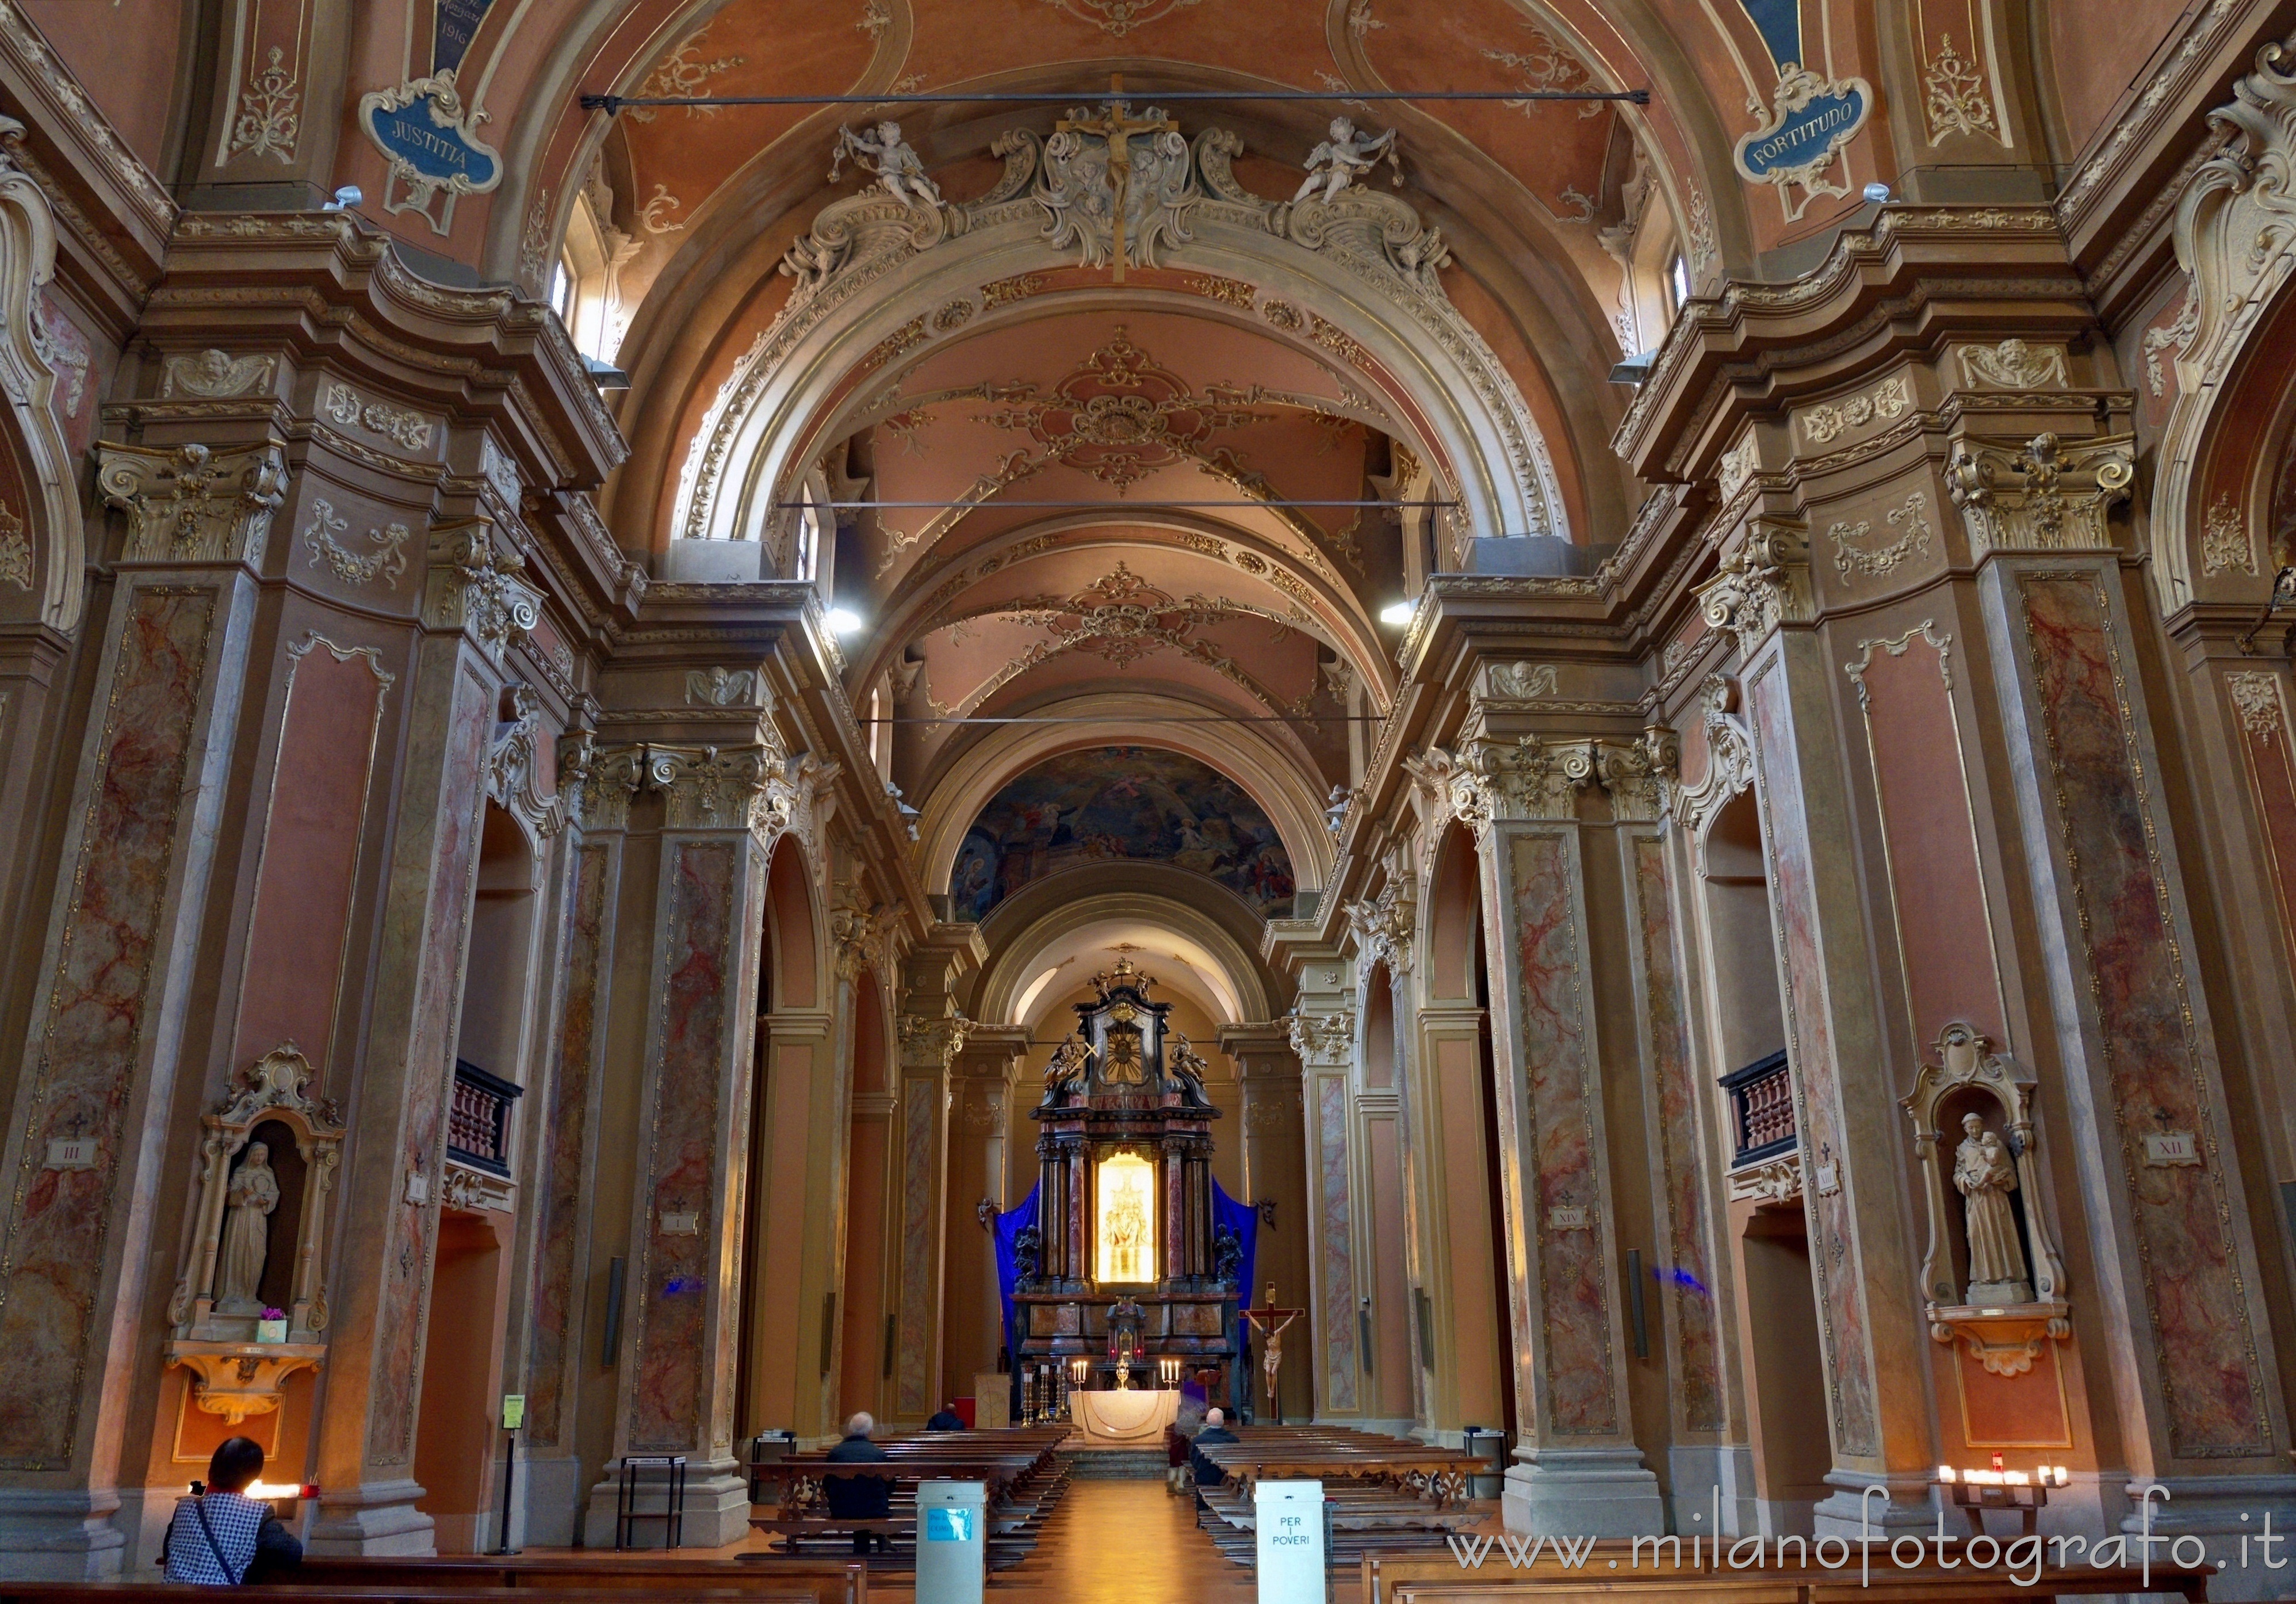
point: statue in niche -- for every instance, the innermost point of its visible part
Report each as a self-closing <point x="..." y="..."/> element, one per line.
<point x="253" y="1194"/>
<point x="1339" y="160"/>
<point x="1127" y="1234"/>
<point x="894" y="161"/>
<point x="1984" y="1174"/>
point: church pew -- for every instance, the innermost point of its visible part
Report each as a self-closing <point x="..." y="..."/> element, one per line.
<point x="1393" y="1578"/>
<point x="1021" y="1468"/>
<point x="674" y="1591"/>
<point x="823" y="1579"/>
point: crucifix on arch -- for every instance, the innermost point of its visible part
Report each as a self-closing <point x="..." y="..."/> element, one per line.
<point x="1118" y="128"/>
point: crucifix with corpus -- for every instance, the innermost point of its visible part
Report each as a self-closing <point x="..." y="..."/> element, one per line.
<point x="1118" y="128"/>
<point x="1271" y="1321"/>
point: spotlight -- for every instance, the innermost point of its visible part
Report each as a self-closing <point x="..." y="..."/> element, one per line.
<point x="1397" y="612"/>
<point x="1879" y="193"/>
<point x="842" y="621"/>
<point x="347" y="197"/>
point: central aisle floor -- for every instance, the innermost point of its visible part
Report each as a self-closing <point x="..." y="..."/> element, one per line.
<point x="1112" y="1543"/>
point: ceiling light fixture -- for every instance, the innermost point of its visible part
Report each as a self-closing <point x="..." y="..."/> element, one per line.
<point x="1398" y="612"/>
<point x="843" y="620"/>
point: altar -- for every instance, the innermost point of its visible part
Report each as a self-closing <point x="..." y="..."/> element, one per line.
<point x="1129" y="1269"/>
<point x="1108" y="1419"/>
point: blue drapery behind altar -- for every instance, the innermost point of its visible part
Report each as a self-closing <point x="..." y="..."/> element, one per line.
<point x="1009" y="1224"/>
<point x="1244" y="1220"/>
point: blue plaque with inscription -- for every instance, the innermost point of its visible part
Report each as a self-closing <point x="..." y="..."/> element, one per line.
<point x="423" y="135"/>
<point x="1805" y="133"/>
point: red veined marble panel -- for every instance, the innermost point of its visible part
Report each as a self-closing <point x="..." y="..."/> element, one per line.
<point x="53" y="1257"/>
<point x="1337" y="1254"/>
<point x="2210" y="1380"/>
<point x="681" y="1148"/>
<point x="1841" y="1311"/>
<point x="1566" y="1197"/>
<point x="405" y="1312"/>
<point x="565" y="1142"/>
<point x="1691" y="1289"/>
<point x="917" y="1315"/>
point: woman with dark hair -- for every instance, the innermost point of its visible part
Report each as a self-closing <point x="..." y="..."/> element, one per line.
<point x="221" y="1537"/>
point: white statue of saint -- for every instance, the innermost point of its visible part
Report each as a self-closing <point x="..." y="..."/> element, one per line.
<point x="1339" y="160"/>
<point x="881" y="151"/>
<point x="253" y="1194"/>
<point x="1984" y="1174"/>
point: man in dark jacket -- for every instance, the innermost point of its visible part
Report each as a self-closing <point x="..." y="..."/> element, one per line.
<point x="223" y="1537"/>
<point x="1215" y="1431"/>
<point x="860" y="1497"/>
<point x="948" y="1420"/>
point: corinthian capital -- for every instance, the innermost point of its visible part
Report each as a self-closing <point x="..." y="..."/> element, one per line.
<point x="710" y="787"/>
<point x="473" y="585"/>
<point x="2043" y="495"/>
<point x="190" y="504"/>
<point x="601" y="779"/>
<point x="928" y="1042"/>
<point x="1764" y="582"/>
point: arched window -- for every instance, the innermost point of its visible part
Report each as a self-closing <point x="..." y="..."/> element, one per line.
<point x="586" y="287"/>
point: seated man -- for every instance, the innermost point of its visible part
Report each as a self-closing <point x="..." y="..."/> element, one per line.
<point x="1208" y="1475"/>
<point x="948" y="1420"/>
<point x="859" y="1497"/>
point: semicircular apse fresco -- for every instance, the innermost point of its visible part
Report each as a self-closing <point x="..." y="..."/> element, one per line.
<point x="1121" y="803"/>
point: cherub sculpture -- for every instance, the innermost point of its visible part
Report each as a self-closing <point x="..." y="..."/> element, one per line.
<point x="1189" y="1068"/>
<point x="881" y="151"/>
<point x="1342" y="159"/>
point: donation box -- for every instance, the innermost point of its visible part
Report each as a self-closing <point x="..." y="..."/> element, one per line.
<point x="1289" y="1518"/>
<point x="952" y="1542"/>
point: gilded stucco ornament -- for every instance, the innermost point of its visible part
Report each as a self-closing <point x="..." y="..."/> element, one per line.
<point x="2044" y="495"/>
<point x="514" y="774"/>
<point x="1369" y="247"/>
<point x="601" y="780"/>
<point x="2236" y="235"/>
<point x="474" y="583"/>
<point x="859" y="929"/>
<point x="1321" y="1038"/>
<point x="1729" y="756"/>
<point x="932" y="1042"/>
<point x="1383" y="924"/>
<point x="190" y="504"/>
<point x="1764" y="582"/>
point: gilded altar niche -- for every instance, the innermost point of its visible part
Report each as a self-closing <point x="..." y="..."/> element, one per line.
<point x="1125" y="1226"/>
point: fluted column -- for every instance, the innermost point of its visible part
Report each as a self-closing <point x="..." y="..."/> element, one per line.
<point x="117" y="961"/>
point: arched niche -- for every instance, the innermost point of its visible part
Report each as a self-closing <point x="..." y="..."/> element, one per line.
<point x="793" y="967"/>
<point x="1024" y="929"/>
<point x="1272" y="778"/>
<point x="1453" y="918"/>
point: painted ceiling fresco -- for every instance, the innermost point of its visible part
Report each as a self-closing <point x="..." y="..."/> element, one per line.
<point x="1121" y="803"/>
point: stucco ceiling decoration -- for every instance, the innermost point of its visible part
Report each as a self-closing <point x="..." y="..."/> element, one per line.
<point x="867" y="257"/>
<point x="1120" y="416"/>
<point x="1123" y="617"/>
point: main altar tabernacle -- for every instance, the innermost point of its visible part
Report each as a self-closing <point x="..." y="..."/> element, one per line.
<point x="1126" y="1215"/>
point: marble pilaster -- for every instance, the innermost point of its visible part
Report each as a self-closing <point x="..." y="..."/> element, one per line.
<point x="1268" y="1122"/>
<point x="117" y="962"/>
<point x="476" y="603"/>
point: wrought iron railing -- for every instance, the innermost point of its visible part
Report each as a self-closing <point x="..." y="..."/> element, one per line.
<point x="1761" y="1110"/>
<point x="478" y="1118"/>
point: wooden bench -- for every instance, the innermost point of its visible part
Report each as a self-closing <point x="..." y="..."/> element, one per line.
<point x="821" y="1579"/>
<point x="1021" y="1468"/>
<point x="1381" y="1493"/>
<point x="674" y="1591"/>
<point x="1392" y="1578"/>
